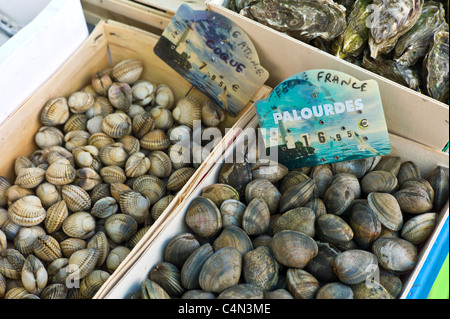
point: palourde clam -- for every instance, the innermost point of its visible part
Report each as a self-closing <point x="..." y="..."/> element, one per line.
<point x="310" y="234"/>
<point x="101" y="175"/>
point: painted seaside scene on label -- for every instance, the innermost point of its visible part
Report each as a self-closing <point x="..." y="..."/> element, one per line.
<point x="214" y="55"/>
<point x="323" y="116"/>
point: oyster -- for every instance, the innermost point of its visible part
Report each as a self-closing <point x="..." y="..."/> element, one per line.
<point x="302" y="19"/>
<point x="415" y="43"/>
<point x="391" y="20"/>
<point x="435" y="68"/>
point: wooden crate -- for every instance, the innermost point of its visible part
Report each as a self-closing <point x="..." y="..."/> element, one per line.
<point x="132" y="275"/>
<point x="408" y="113"/>
<point x="109" y="43"/>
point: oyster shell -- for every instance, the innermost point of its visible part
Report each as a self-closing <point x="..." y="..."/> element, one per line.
<point x="356" y="35"/>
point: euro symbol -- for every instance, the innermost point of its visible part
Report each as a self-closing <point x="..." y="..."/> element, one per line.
<point x="363" y="124"/>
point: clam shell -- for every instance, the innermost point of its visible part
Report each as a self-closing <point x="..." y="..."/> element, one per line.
<point x="60" y="172"/>
<point x="417" y="229"/>
<point x="49" y="194"/>
<point x="160" y="206"/>
<point x="57" y="270"/>
<point x="100" y="242"/>
<point x="77" y="199"/>
<point x="218" y="193"/>
<point x="151" y="290"/>
<point x="260" y="268"/>
<point x="372" y="291"/>
<point x="142" y="124"/>
<point x="292" y="178"/>
<point x="120" y="227"/>
<point x="439" y="182"/>
<point x="104" y="207"/>
<point x="47" y="248"/>
<point x="179" y="178"/>
<point x="264" y="189"/>
<point x="94" y="125"/>
<point x="391" y="164"/>
<point x="54" y="291"/>
<point x="136" y="165"/>
<point x="86" y="178"/>
<point x="11" y="263"/>
<point x="222" y="270"/>
<point x="48" y="136"/>
<point x="180" y="156"/>
<point x="301" y="284"/>
<point x="27" y="211"/>
<point x="338" y="197"/>
<point x="101" y="81"/>
<point x="80" y="102"/>
<point x="155" y="140"/>
<point x="387" y="210"/>
<point x="333" y="229"/>
<point x="301" y="219"/>
<point x="4" y="185"/>
<point x="168" y="277"/>
<point x="379" y="181"/>
<point x="256" y="218"/>
<point x="55" y="217"/>
<point x="100" y="191"/>
<point x="293" y="249"/>
<point x="75" y="139"/>
<point x="113" y="174"/>
<point x="322" y="175"/>
<point x="364" y="223"/>
<point x="198" y="294"/>
<point x="71" y="245"/>
<point x="355" y="167"/>
<point x="407" y="171"/>
<point x="232" y="211"/>
<point x="164" y="96"/>
<point x="30" y="177"/>
<point x="350" y="180"/>
<point x="297" y="195"/>
<point x="233" y="236"/>
<point x="55" y="112"/>
<point x="317" y="205"/>
<point x="101" y="107"/>
<point x="270" y="170"/>
<point x="135" y="204"/>
<point x="3" y="241"/>
<point x="179" y="248"/>
<point x="130" y="143"/>
<point x="355" y="266"/>
<point x="127" y="71"/>
<point x="143" y="92"/>
<point x="117" y="125"/>
<point x="391" y="282"/>
<point x="242" y="291"/>
<point x="76" y="122"/>
<point x="113" y="155"/>
<point x="414" y="200"/>
<point x="396" y="255"/>
<point x="83" y="262"/>
<point x="16" y="293"/>
<point x="79" y="225"/>
<point x="160" y="164"/>
<point x="20" y="163"/>
<point x="100" y="140"/>
<point x="151" y="186"/>
<point x="203" y="217"/>
<point x="278" y="294"/>
<point x="321" y="266"/>
<point x="187" y="110"/>
<point x="237" y="175"/>
<point x="334" y="290"/>
<point x="212" y="114"/>
<point x="115" y="257"/>
<point x="193" y="265"/>
<point x="92" y="283"/>
<point x="120" y="96"/>
<point x="163" y="117"/>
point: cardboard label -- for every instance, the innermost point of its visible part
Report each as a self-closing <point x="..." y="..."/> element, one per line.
<point x="323" y="116"/>
<point x="213" y="54"/>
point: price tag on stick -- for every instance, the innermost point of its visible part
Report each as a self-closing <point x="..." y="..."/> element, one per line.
<point x="213" y="54"/>
<point x="323" y="116"/>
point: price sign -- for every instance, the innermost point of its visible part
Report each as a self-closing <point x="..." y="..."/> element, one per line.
<point x="213" y="54"/>
<point x="323" y="116"/>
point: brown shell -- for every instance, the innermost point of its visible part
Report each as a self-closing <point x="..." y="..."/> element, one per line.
<point x="60" y="172"/>
<point x="55" y="217"/>
<point x="27" y="211"/>
<point x="127" y="71"/>
<point x="77" y="199"/>
<point x="155" y="140"/>
<point x="179" y="178"/>
<point x="55" y="112"/>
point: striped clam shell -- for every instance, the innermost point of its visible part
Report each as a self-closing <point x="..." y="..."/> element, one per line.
<point x="27" y="211"/>
<point x="120" y="96"/>
<point x="160" y="164"/>
<point x="187" y="110"/>
<point x="71" y="245"/>
<point x="54" y="291"/>
<point x="49" y="194"/>
<point x="113" y="174"/>
<point x="143" y="123"/>
<point x="117" y="125"/>
<point x="87" y="178"/>
<point x="116" y="189"/>
<point x="160" y="206"/>
<point x="75" y="139"/>
<point x="137" y="164"/>
<point x="115" y="257"/>
<point x="11" y="263"/>
<point x="179" y="178"/>
<point x="30" y="177"/>
<point x="138" y="236"/>
<point x="120" y="227"/>
<point x="24" y="240"/>
<point x="100" y="140"/>
<point x="79" y="225"/>
<point x="130" y="143"/>
<point x="100" y="191"/>
<point x="80" y="102"/>
<point x="143" y="92"/>
<point x="155" y="140"/>
<point x="114" y="154"/>
<point x="55" y="112"/>
<point x="60" y="172"/>
<point x="57" y="270"/>
<point x="56" y="214"/>
<point x="101" y="81"/>
<point x="47" y="248"/>
<point x="34" y="275"/>
<point x="164" y="96"/>
<point x="151" y="186"/>
<point x="100" y="242"/>
<point x="104" y="207"/>
<point x="135" y="204"/>
<point x="4" y="185"/>
<point x="127" y="71"/>
<point x="76" y="122"/>
<point x="83" y="262"/>
<point x="48" y="136"/>
<point x="92" y="283"/>
<point x="77" y="199"/>
<point x="163" y="117"/>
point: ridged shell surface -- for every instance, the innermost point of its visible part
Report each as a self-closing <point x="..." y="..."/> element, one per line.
<point x="27" y="211"/>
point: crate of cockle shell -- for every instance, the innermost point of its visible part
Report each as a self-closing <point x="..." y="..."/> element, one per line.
<point x="403" y="45"/>
<point x="254" y="229"/>
<point x="91" y="164"/>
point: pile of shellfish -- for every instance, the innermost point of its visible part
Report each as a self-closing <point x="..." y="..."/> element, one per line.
<point x="405" y="41"/>
<point x="346" y="230"/>
<point x="108" y="165"/>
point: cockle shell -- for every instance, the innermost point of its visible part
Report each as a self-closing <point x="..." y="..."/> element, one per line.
<point x="130" y="143"/>
<point x="117" y="125"/>
<point x="86" y="178"/>
<point x="114" y="155"/>
<point x="163" y="117"/>
<point x="27" y="211"/>
<point x="11" y="263"/>
<point x="160" y="164"/>
<point x="100" y="140"/>
<point x="76" y="122"/>
<point x="101" y="81"/>
<point x="155" y="140"/>
<point x="142" y="124"/>
<point x="113" y="174"/>
<point x="212" y="114"/>
<point x="71" y="245"/>
<point x="120" y="227"/>
<point x="115" y="257"/>
<point x="4" y="185"/>
<point x="102" y="107"/>
<point x="151" y="186"/>
<point x="55" y="112"/>
<point x="48" y="136"/>
<point x="120" y="96"/>
<point x="187" y="110"/>
<point x="60" y="172"/>
<point x="127" y="71"/>
<point x="164" y="96"/>
<point x="79" y="225"/>
<point x="143" y="92"/>
<point x="30" y="177"/>
<point x="104" y="207"/>
<point x="56" y="214"/>
<point x="54" y="291"/>
<point x="136" y="165"/>
<point x="47" y="248"/>
<point x="135" y="204"/>
<point x="34" y="275"/>
<point x="179" y="178"/>
<point x="94" y="125"/>
<point x="80" y="102"/>
<point x="160" y="206"/>
<point x="100" y="242"/>
<point x="83" y="262"/>
<point x="92" y="283"/>
<point x="77" y="199"/>
<point x="75" y="139"/>
<point x="49" y="194"/>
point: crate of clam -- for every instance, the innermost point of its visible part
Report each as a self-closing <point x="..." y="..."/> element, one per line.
<point x="255" y="229"/>
<point x="97" y="162"/>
